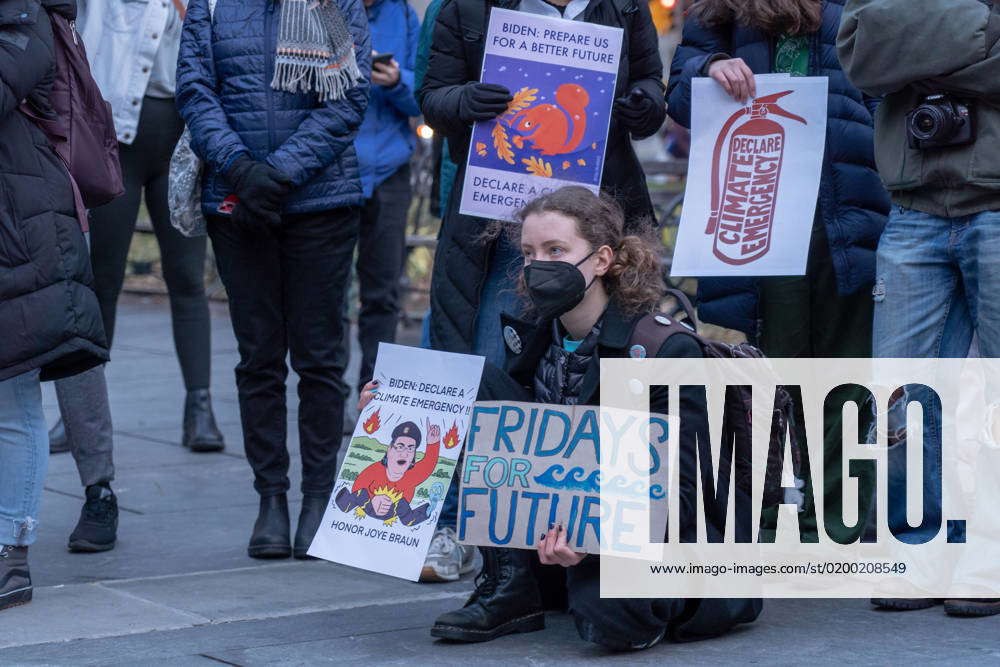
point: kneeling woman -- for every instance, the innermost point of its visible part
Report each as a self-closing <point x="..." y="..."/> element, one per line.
<point x="590" y="286"/>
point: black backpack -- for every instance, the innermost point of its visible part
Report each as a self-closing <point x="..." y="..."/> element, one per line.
<point x="653" y="330"/>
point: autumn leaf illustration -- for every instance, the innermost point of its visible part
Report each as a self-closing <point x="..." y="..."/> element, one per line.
<point x="522" y="99"/>
<point x="538" y="167"/>
<point x="501" y="143"/>
<point x="565" y="165"/>
<point x="481" y="149"/>
<point x="582" y="162"/>
<point x="518" y="141"/>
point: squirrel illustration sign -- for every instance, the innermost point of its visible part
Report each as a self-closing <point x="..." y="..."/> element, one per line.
<point x="562" y="76"/>
<point x="753" y="179"/>
<point x="401" y="460"/>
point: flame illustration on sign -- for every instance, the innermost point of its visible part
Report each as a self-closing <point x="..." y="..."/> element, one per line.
<point x="372" y="423"/>
<point x="451" y="437"/>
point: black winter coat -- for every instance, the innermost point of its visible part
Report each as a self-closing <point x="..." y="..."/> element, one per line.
<point x="49" y="316"/>
<point x="456" y="57"/>
<point x="852" y="205"/>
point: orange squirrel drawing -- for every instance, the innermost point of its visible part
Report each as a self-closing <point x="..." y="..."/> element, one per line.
<point x="555" y="130"/>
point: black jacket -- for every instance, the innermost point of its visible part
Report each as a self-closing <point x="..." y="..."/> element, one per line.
<point x="456" y="57"/>
<point x="49" y="316"/>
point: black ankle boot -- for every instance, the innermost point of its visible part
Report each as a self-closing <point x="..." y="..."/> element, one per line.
<point x="272" y="533"/>
<point x="310" y="517"/>
<point x="15" y="579"/>
<point x="506" y="600"/>
<point x="201" y="434"/>
<point x="58" y="442"/>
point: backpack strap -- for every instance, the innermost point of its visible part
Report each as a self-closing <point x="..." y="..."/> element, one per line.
<point x="653" y="330"/>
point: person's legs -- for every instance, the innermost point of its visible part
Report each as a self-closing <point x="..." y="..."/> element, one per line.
<point x="250" y="267"/>
<point x="183" y="265"/>
<point x="381" y="248"/>
<point x="23" y="458"/>
<point x="499" y="295"/>
<point x="183" y="258"/>
<point x="620" y="624"/>
<point x="316" y="251"/>
<point x="315" y="259"/>
<point x="83" y="404"/>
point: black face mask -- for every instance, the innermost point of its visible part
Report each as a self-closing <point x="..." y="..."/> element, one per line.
<point x="555" y="288"/>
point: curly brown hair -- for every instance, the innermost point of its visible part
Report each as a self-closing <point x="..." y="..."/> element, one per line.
<point x="774" y="17"/>
<point x="635" y="278"/>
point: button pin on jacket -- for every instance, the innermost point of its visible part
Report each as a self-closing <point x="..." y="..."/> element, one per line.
<point x="637" y="352"/>
<point x="512" y="340"/>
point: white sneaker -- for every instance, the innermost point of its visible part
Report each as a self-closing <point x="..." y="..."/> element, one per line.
<point x="445" y="559"/>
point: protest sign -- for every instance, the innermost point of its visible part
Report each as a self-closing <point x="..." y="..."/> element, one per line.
<point x="404" y="450"/>
<point x="753" y="178"/>
<point x="562" y="76"/>
<point x="530" y="465"/>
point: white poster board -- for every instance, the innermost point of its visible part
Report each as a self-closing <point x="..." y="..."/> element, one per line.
<point x="397" y="470"/>
<point x="554" y="133"/>
<point x="753" y="179"/>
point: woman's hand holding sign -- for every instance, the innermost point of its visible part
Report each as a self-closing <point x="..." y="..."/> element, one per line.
<point x="367" y="394"/>
<point x="736" y="77"/>
<point x="553" y="549"/>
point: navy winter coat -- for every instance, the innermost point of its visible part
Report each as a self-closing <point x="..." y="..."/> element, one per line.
<point x="224" y="94"/>
<point x="853" y="204"/>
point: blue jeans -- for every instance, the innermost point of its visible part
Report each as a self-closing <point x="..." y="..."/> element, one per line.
<point x="937" y="281"/>
<point x="24" y="458"/>
<point x="499" y="295"/>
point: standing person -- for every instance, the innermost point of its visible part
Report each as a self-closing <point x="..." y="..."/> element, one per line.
<point x="938" y="266"/>
<point x="474" y="279"/>
<point x="384" y="145"/>
<point x="276" y="133"/>
<point x="52" y="319"/>
<point x="132" y="48"/>
<point x="592" y="286"/>
<point x="828" y="311"/>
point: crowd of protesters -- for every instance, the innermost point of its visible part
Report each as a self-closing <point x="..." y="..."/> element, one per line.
<point x="306" y="174"/>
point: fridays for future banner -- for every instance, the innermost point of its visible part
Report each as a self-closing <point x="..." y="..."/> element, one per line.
<point x="554" y="133"/>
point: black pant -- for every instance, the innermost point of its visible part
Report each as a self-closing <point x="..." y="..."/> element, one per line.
<point x="381" y="249"/>
<point x="632" y="623"/>
<point x="286" y="291"/>
<point x="144" y="167"/>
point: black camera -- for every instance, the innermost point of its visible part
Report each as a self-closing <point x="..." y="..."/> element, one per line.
<point x="939" y="122"/>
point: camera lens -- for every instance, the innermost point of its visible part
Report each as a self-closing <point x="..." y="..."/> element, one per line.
<point x="927" y="122"/>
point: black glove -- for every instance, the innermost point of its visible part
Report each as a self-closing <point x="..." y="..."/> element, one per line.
<point x="638" y="113"/>
<point x="261" y="189"/>
<point x="482" y="101"/>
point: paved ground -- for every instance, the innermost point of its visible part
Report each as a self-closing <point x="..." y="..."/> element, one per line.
<point x="180" y="590"/>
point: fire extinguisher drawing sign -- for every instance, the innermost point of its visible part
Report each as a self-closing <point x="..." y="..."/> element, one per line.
<point x="753" y="179"/>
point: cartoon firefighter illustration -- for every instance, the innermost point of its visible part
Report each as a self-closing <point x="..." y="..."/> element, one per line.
<point x="385" y="489"/>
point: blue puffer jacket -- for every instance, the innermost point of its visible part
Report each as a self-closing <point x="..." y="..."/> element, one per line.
<point x="386" y="140"/>
<point x="852" y="202"/>
<point x="224" y="94"/>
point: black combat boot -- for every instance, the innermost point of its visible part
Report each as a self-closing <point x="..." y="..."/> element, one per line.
<point x="310" y="517"/>
<point x="97" y="529"/>
<point x="506" y="600"/>
<point x="58" y="442"/>
<point x="271" y="533"/>
<point x="201" y="434"/>
<point x="15" y="579"/>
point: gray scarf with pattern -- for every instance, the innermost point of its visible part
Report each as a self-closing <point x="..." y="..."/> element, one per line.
<point x="315" y="50"/>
